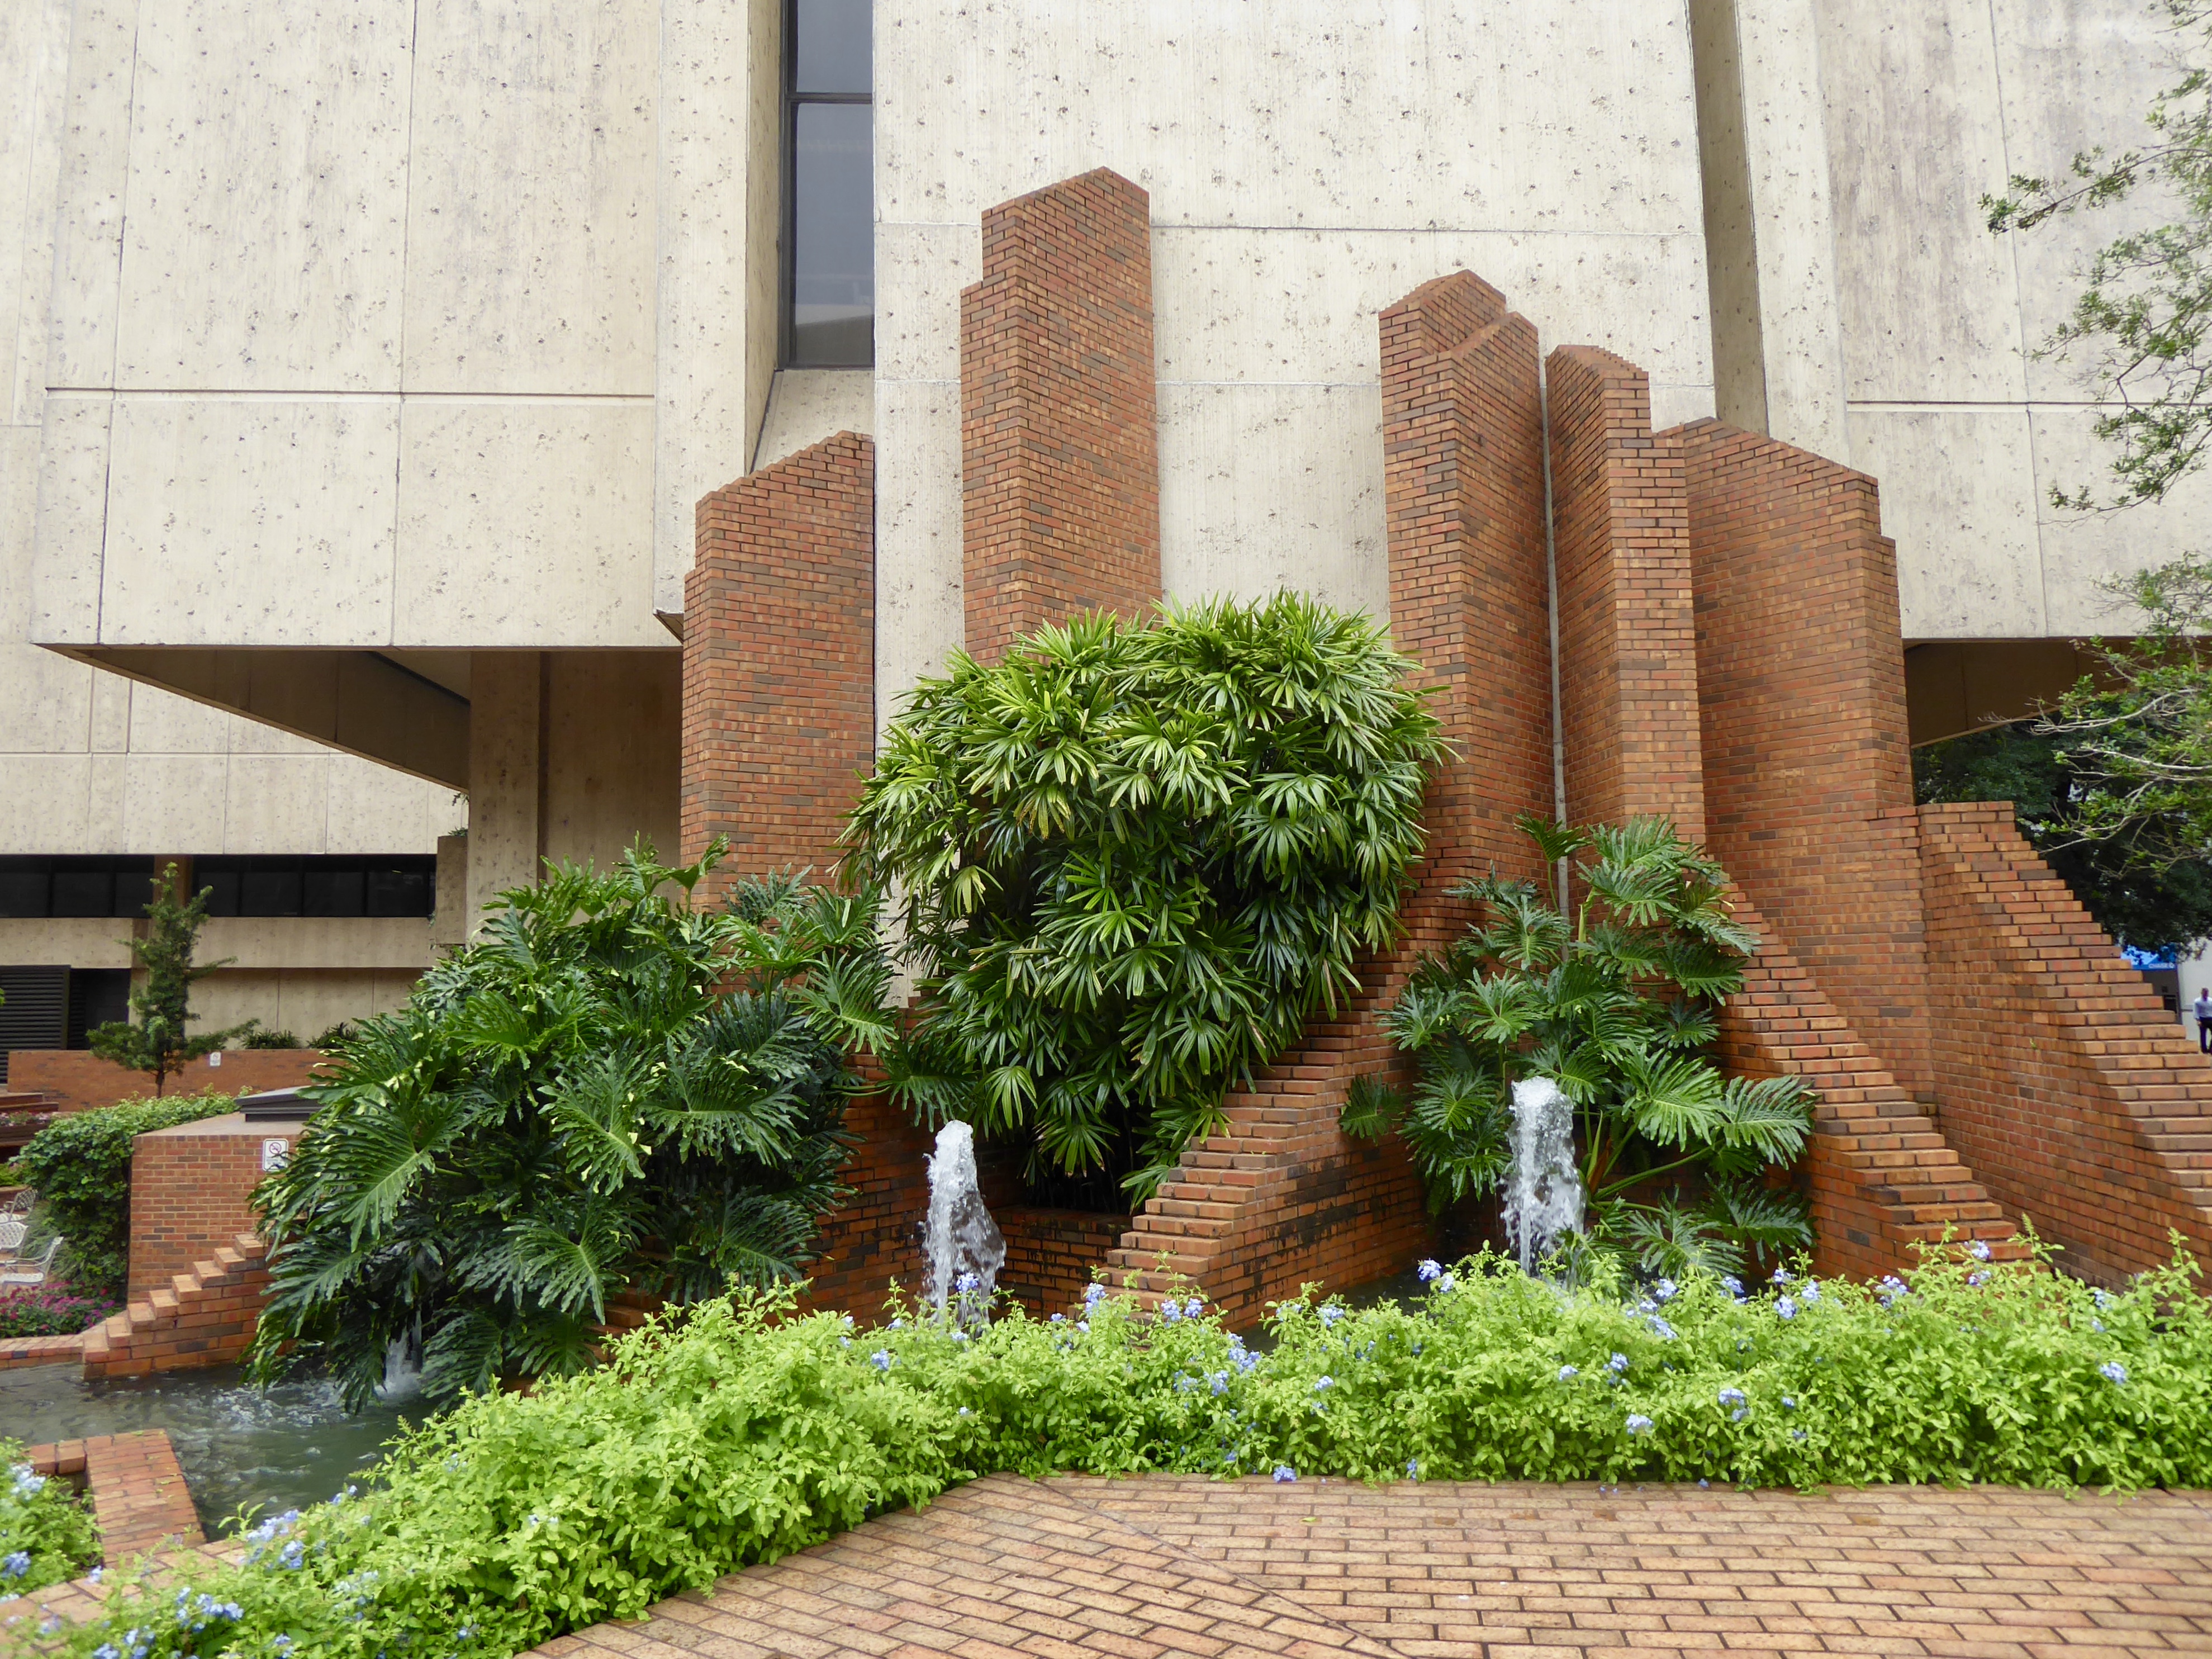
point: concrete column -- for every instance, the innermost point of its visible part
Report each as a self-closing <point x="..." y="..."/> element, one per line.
<point x="506" y="742"/>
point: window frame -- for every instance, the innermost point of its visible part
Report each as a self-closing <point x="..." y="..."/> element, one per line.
<point x="786" y="321"/>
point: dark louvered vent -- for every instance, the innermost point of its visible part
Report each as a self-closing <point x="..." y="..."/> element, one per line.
<point x="36" y="1012"/>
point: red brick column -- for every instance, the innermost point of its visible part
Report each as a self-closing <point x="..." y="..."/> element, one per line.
<point x="779" y="659"/>
<point x="1463" y="491"/>
<point x="1807" y="765"/>
<point x="2076" y="1096"/>
<point x="1059" y="458"/>
<point x="1628" y="667"/>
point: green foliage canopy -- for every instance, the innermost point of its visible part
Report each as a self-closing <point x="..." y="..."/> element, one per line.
<point x="159" y="1042"/>
<point x="1134" y="860"/>
<point x="2124" y="881"/>
<point x="1616" y="1006"/>
<point x="730" y="1437"/>
<point x="611" y="1089"/>
<point x="80" y="1166"/>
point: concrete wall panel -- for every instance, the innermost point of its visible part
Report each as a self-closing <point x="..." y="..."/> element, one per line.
<point x="525" y="524"/>
<point x="267" y="197"/>
<point x="1956" y="489"/>
<point x="2080" y="552"/>
<point x="171" y="802"/>
<point x="919" y="612"/>
<point x="806" y="405"/>
<point x="103" y="55"/>
<point x="244" y="522"/>
<point x="68" y="545"/>
<point x="35" y="71"/>
<point x="530" y="182"/>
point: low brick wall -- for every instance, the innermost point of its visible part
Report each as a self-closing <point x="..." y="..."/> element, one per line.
<point x="204" y="1318"/>
<point x="77" y="1080"/>
<point x="1050" y="1254"/>
<point x="189" y="1191"/>
<point x="138" y="1492"/>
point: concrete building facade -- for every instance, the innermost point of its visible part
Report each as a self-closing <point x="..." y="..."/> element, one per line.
<point x="367" y="361"/>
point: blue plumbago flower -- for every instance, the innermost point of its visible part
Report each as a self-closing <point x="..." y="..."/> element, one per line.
<point x="1448" y="1284"/>
<point x="1733" y="1285"/>
<point x="1060" y="1319"/>
<point x="1171" y="1311"/>
<point x="1892" y="1287"/>
<point x="1732" y="1396"/>
<point x="1980" y="1250"/>
<point x="844" y="1341"/>
<point x="1183" y="1383"/>
<point x="1784" y="1308"/>
<point x="1194" y="1309"/>
<point x="1220" y="1380"/>
<point x="1324" y="1383"/>
<point x="1284" y="1472"/>
<point x="1639" y="1424"/>
<point x="1330" y="1315"/>
<point x="1244" y="1359"/>
<point x="881" y="1359"/>
<point x="2097" y="1325"/>
<point x="959" y="1336"/>
<point x="2103" y="1299"/>
<point x="968" y="1284"/>
<point x="1664" y="1291"/>
<point x="107" y="1650"/>
<point x="283" y="1643"/>
<point x="29" y="1484"/>
<point x="1796" y="1434"/>
<point x="1977" y="1280"/>
<point x="847" y="1320"/>
<point x="50" y="1624"/>
<point x="1704" y="1485"/>
<point x="1568" y="1373"/>
<point x="1739" y="1414"/>
<point x="1646" y="1305"/>
<point x="1618" y="1364"/>
<point x="15" y="1563"/>
<point x="2112" y="1371"/>
<point x="1784" y="1276"/>
<point x="1661" y="1329"/>
<point x="1430" y="1271"/>
<point x="92" y="1578"/>
<point x="1811" y="1293"/>
<point x="1083" y="1325"/>
<point x="1093" y="1294"/>
<point x="293" y="1556"/>
<point x="1412" y="1468"/>
<point x="963" y="1412"/>
<point x="1789" y="1402"/>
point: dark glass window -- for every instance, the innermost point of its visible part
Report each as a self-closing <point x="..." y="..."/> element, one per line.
<point x="329" y="886"/>
<point x="829" y="199"/>
<point x="32" y="886"/>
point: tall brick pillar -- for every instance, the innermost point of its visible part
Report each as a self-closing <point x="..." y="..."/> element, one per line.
<point x="1807" y="765"/>
<point x="1628" y="665"/>
<point x="779" y="659"/>
<point x="1060" y="452"/>
<point x="1463" y="493"/>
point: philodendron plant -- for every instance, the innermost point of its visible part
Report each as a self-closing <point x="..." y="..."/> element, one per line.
<point x="1615" y="1001"/>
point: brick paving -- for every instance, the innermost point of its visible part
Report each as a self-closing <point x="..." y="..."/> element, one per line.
<point x="1163" y="1566"/>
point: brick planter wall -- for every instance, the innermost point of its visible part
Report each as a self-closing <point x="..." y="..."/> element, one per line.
<point x="204" y="1317"/>
<point x="79" y="1079"/>
<point x="189" y="1191"/>
<point x="138" y="1490"/>
<point x="2063" y="1079"/>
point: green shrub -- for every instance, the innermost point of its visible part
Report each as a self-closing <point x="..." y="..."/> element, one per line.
<point x="47" y="1535"/>
<point x="332" y="1036"/>
<point x="80" y="1164"/>
<point x="1617" y="1005"/>
<point x="732" y="1435"/>
<point x="1135" y="860"/>
<point x="41" y="1310"/>
<point x="260" y="1039"/>
<point x="610" y="1088"/>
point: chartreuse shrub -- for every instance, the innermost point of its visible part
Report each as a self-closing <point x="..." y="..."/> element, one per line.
<point x="734" y="1434"/>
<point x="80" y="1166"/>
<point x="1135" y="861"/>
<point x="1616" y="1004"/>
<point x="611" y="1089"/>
<point x="47" y="1535"/>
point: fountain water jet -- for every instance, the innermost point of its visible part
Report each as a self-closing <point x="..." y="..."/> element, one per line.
<point x="961" y="1237"/>
<point x="1544" y="1195"/>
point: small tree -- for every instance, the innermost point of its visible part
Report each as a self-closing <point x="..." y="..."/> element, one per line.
<point x="159" y="1042"/>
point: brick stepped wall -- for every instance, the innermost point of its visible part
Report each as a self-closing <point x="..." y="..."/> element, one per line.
<point x="191" y="1191"/>
<point x="1880" y="1174"/>
<point x="204" y="1317"/>
<point x="138" y="1490"/>
<point x="1807" y="760"/>
<point x="2063" y="1079"/>
<point x="1060" y="472"/>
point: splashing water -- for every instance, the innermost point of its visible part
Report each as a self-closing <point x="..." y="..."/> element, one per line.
<point x="962" y="1238"/>
<point x="1544" y="1196"/>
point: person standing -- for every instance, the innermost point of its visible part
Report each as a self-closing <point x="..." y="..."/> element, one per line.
<point x="2204" y="1019"/>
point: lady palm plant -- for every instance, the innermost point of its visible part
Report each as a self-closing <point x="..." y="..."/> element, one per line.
<point x="1134" y="860"/>
<point x="1615" y="1003"/>
<point x="611" y="1089"/>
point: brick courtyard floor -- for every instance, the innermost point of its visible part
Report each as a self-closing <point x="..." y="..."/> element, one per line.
<point x="1163" y="1566"/>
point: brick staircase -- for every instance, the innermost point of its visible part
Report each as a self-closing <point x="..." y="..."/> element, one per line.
<point x="1883" y="1178"/>
<point x="204" y="1317"/>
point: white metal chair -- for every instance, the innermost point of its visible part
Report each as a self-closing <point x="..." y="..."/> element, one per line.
<point x="12" y="1229"/>
<point x="28" y="1273"/>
